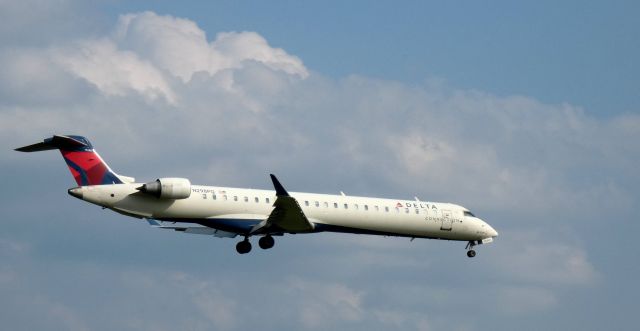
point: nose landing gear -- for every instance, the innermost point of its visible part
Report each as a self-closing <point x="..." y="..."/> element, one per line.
<point x="470" y="251"/>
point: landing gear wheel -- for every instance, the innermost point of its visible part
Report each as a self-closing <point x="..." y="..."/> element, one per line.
<point x="266" y="242"/>
<point x="243" y="247"/>
<point x="471" y="253"/>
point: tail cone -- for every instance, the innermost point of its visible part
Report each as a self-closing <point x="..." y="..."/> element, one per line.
<point x="76" y="192"/>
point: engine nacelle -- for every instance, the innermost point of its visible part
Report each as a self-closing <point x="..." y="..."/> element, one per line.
<point x="168" y="188"/>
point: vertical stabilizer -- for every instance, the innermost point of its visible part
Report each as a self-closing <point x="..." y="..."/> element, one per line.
<point x="86" y="166"/>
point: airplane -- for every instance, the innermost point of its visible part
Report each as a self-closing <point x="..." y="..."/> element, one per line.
<point x="227" y="212"/>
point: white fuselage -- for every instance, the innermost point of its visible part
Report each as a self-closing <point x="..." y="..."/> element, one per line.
<point x="238" y="210"/>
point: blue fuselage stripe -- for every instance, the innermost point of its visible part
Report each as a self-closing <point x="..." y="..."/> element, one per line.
<point x="244" y="226"/>
<point x="237" y="225"/>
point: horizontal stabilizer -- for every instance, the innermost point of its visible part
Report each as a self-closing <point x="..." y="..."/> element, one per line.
<point x="55" y="142"/>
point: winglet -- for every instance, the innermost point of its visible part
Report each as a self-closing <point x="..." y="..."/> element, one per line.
<point x="280" y="191"/>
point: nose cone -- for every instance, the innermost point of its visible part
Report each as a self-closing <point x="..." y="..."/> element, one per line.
<point x="492" y="231"/>
<point x="76" y="192"/>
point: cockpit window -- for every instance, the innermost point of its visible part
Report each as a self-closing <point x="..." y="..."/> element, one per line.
<point x="468" y="213"/>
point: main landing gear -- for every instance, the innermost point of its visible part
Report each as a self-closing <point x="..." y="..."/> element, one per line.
<point x="471" y="252"/>
<point x="266" y="242"/>
<point x="244" y="246"/>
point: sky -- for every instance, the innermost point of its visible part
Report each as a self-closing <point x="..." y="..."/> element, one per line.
<point x="528" y="114"/>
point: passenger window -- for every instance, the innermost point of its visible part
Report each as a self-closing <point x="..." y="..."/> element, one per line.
<point x="266" y="200"/>
<point x="406" y="210"/>
<point x="317" y="204"/>
<point x="213" y="196"/>
<point x="376" y="207"/>
<point x="257" y="200"/>
<point x="386" y="209"/>
<point x="326" y="204"/>
<point x="246" y="199"/>
<point x="335" y="205"/>
<point x="235" y="198"/>
<point x="224" y="197"/>
<point x="366" y="207"/>
<point x="204" y="195"/>
<point x="355" y="205"/>
<point x="417" y="211"/>
<point x="346" y="206"/>
<point x="306" y="203"/>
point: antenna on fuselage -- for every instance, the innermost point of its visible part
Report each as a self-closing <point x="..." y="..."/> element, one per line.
<point x="342" y="193"/>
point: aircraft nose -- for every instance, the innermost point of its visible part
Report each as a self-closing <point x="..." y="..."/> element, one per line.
<point x="492" y="231"/>
<point x="76" y="192"/>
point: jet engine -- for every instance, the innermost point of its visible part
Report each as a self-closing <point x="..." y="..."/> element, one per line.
<point x="167" y="188"/>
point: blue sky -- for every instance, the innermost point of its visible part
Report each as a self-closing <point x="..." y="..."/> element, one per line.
<point x="525" y="113"/>
<point x="582" y="52"/>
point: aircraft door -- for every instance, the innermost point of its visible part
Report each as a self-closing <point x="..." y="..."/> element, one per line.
<point x="447" y="220"/>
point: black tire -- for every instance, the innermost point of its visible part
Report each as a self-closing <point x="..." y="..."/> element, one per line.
<point x="243" y="247"/>
<point x="266" y="242"/>
<point x="471" y="253"/>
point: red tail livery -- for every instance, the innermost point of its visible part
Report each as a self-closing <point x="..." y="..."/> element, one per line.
<point x="86" y="166"/>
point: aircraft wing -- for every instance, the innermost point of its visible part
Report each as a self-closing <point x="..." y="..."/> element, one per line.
<point x="287" y="216"/>
<point x="193" y="229"/>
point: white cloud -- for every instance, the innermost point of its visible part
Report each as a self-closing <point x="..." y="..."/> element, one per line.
<point x="218" y="310"/>
<point x="325" y="304"/>
<point x="250" y="46"/>
<point x="66" y="317"/>
<point x="144" y="57"/>
<point x="113" y="71"/>
<point x="530" y="257"/>
<point x="31" y="78"/>
<point x="181" y="47"/>
<point x="12" y="247"/>
<point x="525" y="300"/>
<point x="173" y="44"/>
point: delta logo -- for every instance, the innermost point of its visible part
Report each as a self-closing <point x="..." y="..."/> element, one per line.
<point x="416" y="205"/>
